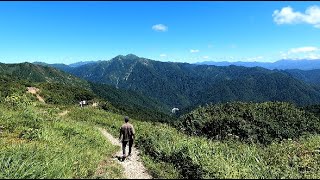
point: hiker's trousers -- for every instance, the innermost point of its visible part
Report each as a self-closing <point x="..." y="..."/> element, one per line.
<point x="124" y="144"/>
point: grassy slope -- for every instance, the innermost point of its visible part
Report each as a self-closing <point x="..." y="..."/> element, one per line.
<point x="168" y="153"/>
<point x="38" y="143"/>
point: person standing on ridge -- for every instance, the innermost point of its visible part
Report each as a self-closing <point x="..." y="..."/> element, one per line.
<point x="126" y="135"/>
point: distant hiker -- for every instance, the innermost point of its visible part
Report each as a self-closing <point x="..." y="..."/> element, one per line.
<point x="82" y="103"/>
<point x="126" y="135"/>
<point x="174" y="110"/>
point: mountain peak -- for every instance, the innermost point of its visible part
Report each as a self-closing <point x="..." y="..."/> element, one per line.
<point x="131" y="56"/>
<point x="127" y="57"/>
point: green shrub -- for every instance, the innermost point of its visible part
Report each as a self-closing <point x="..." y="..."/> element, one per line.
<point x="168" y="153"/>
<point x="57" y="93"/>
<point x="70" y="146"/>
<point x="17" y="101"/>
<point x="250" y="122"/>
<point x="30" y="134"/>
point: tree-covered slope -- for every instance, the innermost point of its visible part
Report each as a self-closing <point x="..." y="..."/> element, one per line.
<point x="309" y="76"/>
<point x="133" y="103"/>
<point x="60" y="66"/>
<point x="38" y="73"/>
<point x="250" y="122"/>
<point x="57" y="87"/>
<point x="185" y="85"/>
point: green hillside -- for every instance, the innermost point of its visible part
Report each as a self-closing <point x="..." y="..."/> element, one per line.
<point x="59" y="139"/>
<point x="38" y="143"/>
<point x="37" y="73"/>
<point x="310" y="76"/>
<point x="186" y="85"/>
<point x="58" y="87"/>
<point x="133" y="103"/>
<point x="55" y="86"/>
<point x="57" y="66"/>
<point x="250" y="122"/>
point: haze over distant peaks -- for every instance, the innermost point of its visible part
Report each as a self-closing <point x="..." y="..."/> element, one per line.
<point x="302" y="64"/>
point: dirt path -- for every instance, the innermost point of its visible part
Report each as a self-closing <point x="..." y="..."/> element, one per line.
<point x="133" y="166"/>
<point x="64" y="113"/>
<point x="34" y="90"/>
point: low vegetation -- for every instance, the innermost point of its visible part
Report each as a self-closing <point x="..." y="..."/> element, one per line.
<point x="250" y="122"/>
<point x="168" y="153"/>
<point x="36" y="142"/>
<point x="56" y="93"/>
<point x="134" y="104"/>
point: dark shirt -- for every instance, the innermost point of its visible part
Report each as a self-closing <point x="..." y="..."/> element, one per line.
<point x="127" y="132"/>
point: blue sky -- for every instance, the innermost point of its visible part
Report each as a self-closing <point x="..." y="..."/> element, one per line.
<point x="68" y="32"/>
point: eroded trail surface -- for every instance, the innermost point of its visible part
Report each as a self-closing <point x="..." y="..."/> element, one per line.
<point x="133" y="167"/>
<point x="34" y="90"/>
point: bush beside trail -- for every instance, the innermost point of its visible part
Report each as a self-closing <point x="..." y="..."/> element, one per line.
<point x="35" y="142"/>
<point x="250" y="122"/>
<point x="169" y="153"/>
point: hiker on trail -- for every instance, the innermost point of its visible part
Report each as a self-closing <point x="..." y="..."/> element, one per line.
<point x="126" y="135"/>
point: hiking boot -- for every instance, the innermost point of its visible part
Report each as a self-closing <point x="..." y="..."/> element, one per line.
<point x="123" y="158"/>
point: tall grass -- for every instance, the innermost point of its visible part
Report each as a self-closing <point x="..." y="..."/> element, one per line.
<point x="38" y="143"/>
<point x="169" y="153"/>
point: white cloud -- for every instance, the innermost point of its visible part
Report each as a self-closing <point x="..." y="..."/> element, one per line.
<point x="288" y="16"/>
<point x="313" y="56"/>
<point x="163" y="55"/>
<point x="303" y="50"/>
<point x="307" y="52"/>
<point x="194" y="50"/>
<point x="205" y="57"/>
<point x="160" y="28"/>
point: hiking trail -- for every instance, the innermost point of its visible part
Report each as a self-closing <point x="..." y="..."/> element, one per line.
<point x="133" y="167"/>
<point x="63" y="113"/>
<point x="34" y="90"/>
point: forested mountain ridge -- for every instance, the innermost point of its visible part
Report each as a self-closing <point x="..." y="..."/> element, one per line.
<point x="58" y="87"/>
<point x="309" y="76"/>
<point x="186" y="85"/>
<point x="37" y="73"/>
<point x="60" y="66"/>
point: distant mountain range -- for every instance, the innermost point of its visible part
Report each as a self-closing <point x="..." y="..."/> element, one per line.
<point x="281" y="64"/>
<point x="152" y="88"/>
<point x="77" y="64"/>
<point x="58" y="87"/>
<point x="186" y="85"/>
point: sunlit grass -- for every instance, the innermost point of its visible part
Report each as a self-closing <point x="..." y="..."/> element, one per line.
<point x="168" y="153"/>
<point x="38" y="143"/>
